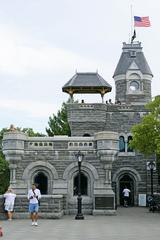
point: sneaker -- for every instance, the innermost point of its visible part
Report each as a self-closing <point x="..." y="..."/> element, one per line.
<point x="33" y="223"/>
<point x="36" y="224"/>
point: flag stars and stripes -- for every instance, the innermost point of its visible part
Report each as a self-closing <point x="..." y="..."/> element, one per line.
<point x="141" y="21"/>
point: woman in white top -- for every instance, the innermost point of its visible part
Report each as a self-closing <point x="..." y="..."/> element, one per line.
<point x="9" y="202"/>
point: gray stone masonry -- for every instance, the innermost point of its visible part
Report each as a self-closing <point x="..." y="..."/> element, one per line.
<point x="92" y="118"/>
<point x="55" y="158"/>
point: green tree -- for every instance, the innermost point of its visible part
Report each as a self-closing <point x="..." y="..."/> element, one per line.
<point x="146" y="134"/>
<point x="30" y="132"/>
<point x="4" y="174"/>
<point x="4" y="168"/>
<point x="58" y="125"/>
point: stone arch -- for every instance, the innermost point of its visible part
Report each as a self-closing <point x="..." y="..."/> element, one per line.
<point x="124" y="170"/>
<point x="89" y="171"/>
<point x="130" y="172"/>
<point x="39" y="166"/>
<point x="85" y="166"/>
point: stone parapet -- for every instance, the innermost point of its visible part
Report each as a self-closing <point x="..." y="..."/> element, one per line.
<point x="51" y="206"/>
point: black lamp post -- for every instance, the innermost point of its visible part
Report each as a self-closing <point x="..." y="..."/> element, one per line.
<point x="151" y="166"/>
<point x="79" y="215"/>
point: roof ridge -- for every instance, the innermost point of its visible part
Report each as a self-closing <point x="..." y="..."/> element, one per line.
<point x="101" y="79"/>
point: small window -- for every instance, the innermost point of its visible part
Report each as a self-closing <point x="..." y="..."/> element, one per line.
<point x="132" y="54"/>
<point x="129" y="148"/>
<point x="121" y="144"/>
<point x="134" y="86"/>
<point x="86" y="135"/>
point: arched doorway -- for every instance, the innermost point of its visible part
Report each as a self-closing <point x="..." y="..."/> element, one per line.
<point x="126" y="181"/>
<point x="42" y="182"/>
<point x="84" y="185"/>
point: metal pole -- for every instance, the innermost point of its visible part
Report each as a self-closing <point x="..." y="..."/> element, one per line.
<point x="79" y="215"/>
<point x="151" y="181"/>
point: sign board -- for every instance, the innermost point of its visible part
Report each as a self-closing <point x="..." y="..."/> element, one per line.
<point x="142" y="200"/>
<point x="103" y="203"/>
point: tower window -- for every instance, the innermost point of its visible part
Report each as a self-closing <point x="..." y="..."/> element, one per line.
<point x="132" y="54"/>
<point x="134" y="86"/>
<point x="121" y="144"/>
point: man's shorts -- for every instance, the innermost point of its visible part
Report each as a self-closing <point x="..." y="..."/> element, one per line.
<point x="33" y="207"/>
<point x="9" y="207"/>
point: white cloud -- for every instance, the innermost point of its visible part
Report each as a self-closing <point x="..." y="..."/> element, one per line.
<point x="20" y="55"/>
<point x="31" y="108"/>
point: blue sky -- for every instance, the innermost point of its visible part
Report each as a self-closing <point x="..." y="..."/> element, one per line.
<point x="43" y="43"/>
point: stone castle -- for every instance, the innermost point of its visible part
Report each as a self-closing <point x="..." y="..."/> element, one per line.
<point x="102" y="132"/>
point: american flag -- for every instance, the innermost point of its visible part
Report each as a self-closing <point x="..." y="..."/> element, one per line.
<point x="141" y="21"/>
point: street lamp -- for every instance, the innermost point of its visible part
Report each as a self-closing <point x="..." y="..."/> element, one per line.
<point x="151" y="166"/>
<point x="79" y="215"/>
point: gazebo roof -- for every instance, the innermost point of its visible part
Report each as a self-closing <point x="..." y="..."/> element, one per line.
<point x="86" y="83"/>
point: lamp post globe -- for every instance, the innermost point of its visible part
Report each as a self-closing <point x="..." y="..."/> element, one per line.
<point x="79" y="215"/>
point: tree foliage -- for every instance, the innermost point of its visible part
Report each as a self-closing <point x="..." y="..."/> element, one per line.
<point x="4" y="174"/>
<point x="30" y="132"/>
<point x="58" y="124"/>
<point x="146" y="135"/>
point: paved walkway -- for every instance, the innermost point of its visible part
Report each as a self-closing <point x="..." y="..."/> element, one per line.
<point x="130" y="223"/>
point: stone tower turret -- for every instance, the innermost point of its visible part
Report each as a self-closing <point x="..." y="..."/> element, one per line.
<point x="133" y="76"/>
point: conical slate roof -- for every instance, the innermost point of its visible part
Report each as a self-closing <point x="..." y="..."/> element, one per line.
<point x="132" y="52"/>
<point x="86" y="83"/>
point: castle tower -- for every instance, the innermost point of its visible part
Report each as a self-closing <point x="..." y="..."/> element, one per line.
<point x="133" y="76"/>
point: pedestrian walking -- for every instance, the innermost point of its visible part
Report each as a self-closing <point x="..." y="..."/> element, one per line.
<point x="126" y="193"/>
<point x="9" y="203"/>
<point x="34" y="195"/>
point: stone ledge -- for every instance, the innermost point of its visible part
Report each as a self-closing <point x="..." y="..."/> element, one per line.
<point x="104" y="212"/>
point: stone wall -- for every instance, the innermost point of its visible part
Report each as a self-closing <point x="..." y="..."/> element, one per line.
<point x="85" y="118"/>
<point x="51" y="206"/>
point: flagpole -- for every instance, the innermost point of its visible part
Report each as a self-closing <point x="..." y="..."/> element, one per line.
<point x="131" y="8"/>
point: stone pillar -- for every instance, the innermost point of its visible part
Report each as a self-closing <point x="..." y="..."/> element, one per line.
<point x="104" y="197"/>
<point x="13" y="149"/>
<point x="12" y="168"/>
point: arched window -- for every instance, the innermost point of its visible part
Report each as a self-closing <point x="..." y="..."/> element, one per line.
<point x="129" y="148"/>
<point x="121" y="144"/>
<point x="86" y="135"/>
<point x="42" y="182"/>
<point x="134" y="83"/>
<point x="84" y="185"/>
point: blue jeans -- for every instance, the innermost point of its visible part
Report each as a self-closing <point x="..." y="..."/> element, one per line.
<point x="33" y="207"/>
